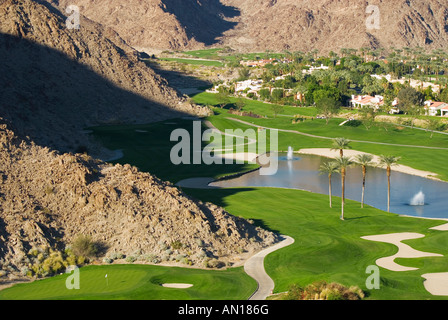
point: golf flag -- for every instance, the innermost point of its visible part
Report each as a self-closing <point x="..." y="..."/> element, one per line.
<point x="105" y="276"/>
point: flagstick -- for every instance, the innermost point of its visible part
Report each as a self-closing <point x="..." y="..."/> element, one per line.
<point x="107" y="280"/>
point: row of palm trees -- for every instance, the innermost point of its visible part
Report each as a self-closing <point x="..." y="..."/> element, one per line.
<point x="341" y="163"/>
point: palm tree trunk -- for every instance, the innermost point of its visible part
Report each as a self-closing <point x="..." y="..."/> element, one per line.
<point x="329" y="191"/>
<point x="341" y="152"/>
<point x="363" y="185"/>
<point x="388" y="189"/>
<point x="343" y="192"/>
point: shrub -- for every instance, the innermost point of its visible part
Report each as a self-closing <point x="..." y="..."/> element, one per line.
<point x="108" y="260"/>
<point x="214" y="264"/>
<point x="84" y="246"/>
<point x="176" y="245"/>
<point x="324" y="291"/>
<point x="131" y="259"/>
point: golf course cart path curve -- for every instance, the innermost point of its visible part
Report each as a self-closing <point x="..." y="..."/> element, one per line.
<point x="254" y="267"/>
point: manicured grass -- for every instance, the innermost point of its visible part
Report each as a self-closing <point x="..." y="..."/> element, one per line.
<point x="196" y="62"/>
<point x="433" y="160"/>
<point x="139" y="282"/>
<point x="258" y="107"/>
<point x="148" y="147"/>
<point x="327" y="248"/>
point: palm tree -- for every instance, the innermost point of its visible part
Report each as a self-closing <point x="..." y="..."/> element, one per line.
<point x="343" y="164"/>
<point x="341" y="144"/>
<point x="363" y="160"/>
<point x="388" y="162"/>
<point x="329" y="168"/>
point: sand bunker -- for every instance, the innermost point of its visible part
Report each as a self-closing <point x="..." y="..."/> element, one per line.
<point x="404" y="251"/>
<point x="177" y="285"/>
<point x="436" y="283"/>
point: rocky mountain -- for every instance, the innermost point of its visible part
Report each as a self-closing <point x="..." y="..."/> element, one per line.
<point x="160" y="24"/>
<point x="334" y="24"/>
<point x="259" y="25"/>
<point x="57" y="81"/>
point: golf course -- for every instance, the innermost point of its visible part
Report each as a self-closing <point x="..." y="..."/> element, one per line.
<point x="325" y="248"/>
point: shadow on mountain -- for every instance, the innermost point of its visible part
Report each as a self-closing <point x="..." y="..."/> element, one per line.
<point x="178" y="80"/>
<point x="204" y="20"/>
<point x="51" y="98"/>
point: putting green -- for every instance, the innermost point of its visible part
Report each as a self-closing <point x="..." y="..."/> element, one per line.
<point x="138" y="282"/>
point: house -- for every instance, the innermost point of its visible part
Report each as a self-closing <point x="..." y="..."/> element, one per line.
<point x="444" y="111"/>
<point x="249" y="86"/>
<point x="256" y="63"/>
<point x="432" y="108"/>
<point x="361" y="101"/>
<point x="312" y="69"/>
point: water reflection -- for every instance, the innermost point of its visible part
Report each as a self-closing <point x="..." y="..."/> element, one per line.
<point x="303" y="173"/>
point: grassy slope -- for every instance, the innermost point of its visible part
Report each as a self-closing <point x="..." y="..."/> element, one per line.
<point x="422" y="159"/>
<point x="327" y="248"/>
<point x="150" y="150"/>
<point x="139" y="282"/>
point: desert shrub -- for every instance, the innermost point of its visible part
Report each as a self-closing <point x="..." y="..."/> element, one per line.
<point x="108" y="260"/>
<point x="324" y="291"/>
<point x="116" y="256"/>
<point x="131" y="259"/>
<point x="176" y="245"/>
<point x="47" y="262"/>
<point x="84" y="246"/>
<point x="214" y="264"/>
<point x="202" y="254"/>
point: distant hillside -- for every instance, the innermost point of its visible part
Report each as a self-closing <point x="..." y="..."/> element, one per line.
<point x="331" y="25"/>
<point x="160" y="24"/>
<point x="259" y="25"/>
<point x="56" y="81"/>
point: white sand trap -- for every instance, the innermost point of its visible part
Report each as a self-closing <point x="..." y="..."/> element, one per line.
<point x="177" y="285"/>
<point x="249" y="157"/>
<point x="443" y="227"/>
<point x="436" y="283"/>
<point x="404" y="251"/>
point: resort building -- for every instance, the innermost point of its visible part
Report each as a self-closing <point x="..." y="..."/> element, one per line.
<point x="358" y="102"/>
<point x="435" y="108"/>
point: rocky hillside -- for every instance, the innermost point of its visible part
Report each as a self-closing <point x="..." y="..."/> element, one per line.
<point x="331" y="25"/>
<point x="57" y="81"/>
<point x="258" y="25"/>
<point x="48" y="199"/>
<point x="160" y="24"/>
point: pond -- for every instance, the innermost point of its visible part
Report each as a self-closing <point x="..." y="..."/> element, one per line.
<point x="431" y="196"/>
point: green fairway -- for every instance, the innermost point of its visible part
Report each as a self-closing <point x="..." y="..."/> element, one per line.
<point x="148" y="147"/>
<point x="139" y="282"/>
<point x="375" y="139"/>
<point x="327" y="248"/>
<point x="211" y="63"/>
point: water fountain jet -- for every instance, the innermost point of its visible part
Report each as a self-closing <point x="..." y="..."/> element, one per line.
<point x="418" y="199"/>
<point x="290" y="153"/>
